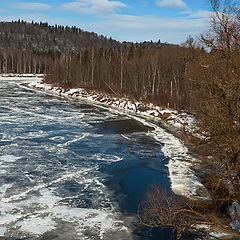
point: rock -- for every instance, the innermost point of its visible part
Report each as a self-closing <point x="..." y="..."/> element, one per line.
<point x="142" y="108"/>
<point x="234" y="211"/>
<point x="166" y="115"/>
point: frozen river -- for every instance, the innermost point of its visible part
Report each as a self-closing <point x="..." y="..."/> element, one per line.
<point x="70" y="170"/>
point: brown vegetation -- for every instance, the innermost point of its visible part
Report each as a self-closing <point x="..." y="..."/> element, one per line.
<point x="148" y="73"/>
<point x="166" y="210"/>
<point x="215" y="78"/>
<point x="217" y="102"/>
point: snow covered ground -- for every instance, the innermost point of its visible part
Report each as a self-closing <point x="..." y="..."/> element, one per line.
<point x="183" y="179"/>
<point x="14" y="76"/>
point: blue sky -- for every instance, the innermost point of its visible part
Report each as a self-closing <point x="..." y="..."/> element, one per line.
<point x="135" y="20"/>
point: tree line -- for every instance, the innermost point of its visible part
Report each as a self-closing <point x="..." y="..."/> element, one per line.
<point x="153" y="74"/>
<point x="19" y="61"/>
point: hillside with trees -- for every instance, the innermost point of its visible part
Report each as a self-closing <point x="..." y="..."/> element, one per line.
<point x="30" y="47"/>
<point x="152" y="71"/>
<point x="40" y="36"/>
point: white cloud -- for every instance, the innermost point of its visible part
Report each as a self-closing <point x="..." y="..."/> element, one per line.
<point x="179" y="4"/>
<point x="94" y="6"/>
<point x="141" y="28"/>
<point x="200" y="14"/>
<point x="124" y="27"/>
<point x="32" y="6"/>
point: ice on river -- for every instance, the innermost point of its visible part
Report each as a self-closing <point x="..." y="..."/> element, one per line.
<point x="57" y="160"/>
<point x="50" y="183"/>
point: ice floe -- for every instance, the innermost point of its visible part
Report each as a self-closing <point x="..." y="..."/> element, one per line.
<point x="8" y="159"/>
<point x="3" y="230"/>
<point x="73" y="140"/>
<point x="46" y="212"/>
<point x="107" y="158"/>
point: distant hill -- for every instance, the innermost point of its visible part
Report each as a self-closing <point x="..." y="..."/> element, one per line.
<point x="41" y="36"/>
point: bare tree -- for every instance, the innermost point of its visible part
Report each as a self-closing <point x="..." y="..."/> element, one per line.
<point x="217" y="78"/>
<point x="167" y="210"/>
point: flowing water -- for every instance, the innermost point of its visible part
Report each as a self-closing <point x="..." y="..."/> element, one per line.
<point x="71" y="170"/>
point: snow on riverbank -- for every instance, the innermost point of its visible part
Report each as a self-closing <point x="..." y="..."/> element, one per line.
<point x="183" y="179"/>
<point x="180" y="120"/>
<point x="14" y="76"/>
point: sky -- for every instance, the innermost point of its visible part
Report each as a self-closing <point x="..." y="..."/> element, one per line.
<point x="169" y="21"/>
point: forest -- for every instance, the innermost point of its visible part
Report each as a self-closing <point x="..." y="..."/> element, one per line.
<point x="201" y="76"/>
<point x="152" y="71"/>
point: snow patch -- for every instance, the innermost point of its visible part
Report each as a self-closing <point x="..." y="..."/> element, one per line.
<point x="100" y="220"/>
<point x="16" y="77"/>
<point x="8" y="159"/>
<point x="124" y="136"/>
<point x="214" y="233"/>
<point x="3" y="230"/>
<point x="4" y="188"/>
<point x="4" y="161"/>
<point x="37" y="226"/>
<point x="107" y="158"/>
<point x="57" y="138"/>
<point x="175" y="118"/>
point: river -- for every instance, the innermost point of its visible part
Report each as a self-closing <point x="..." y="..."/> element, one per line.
<point x="72" y="170"/>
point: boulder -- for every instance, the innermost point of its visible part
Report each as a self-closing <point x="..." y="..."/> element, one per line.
<point x="234" y="211"/>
